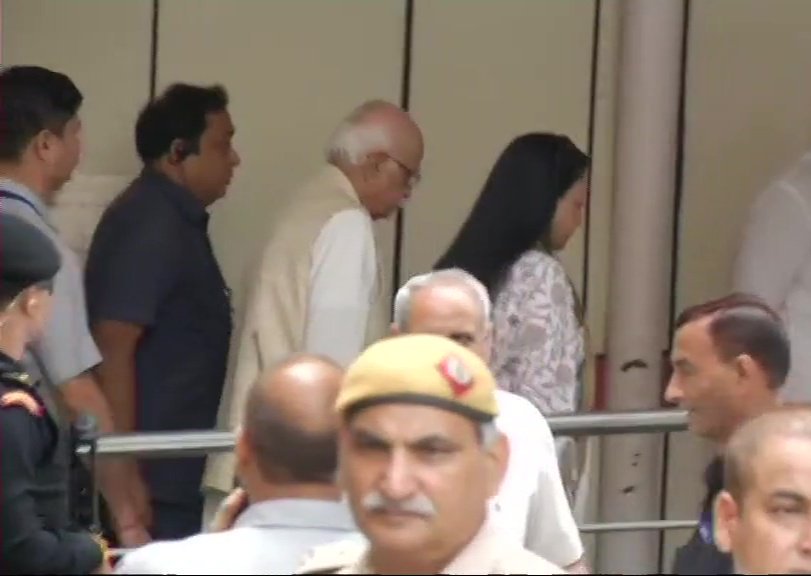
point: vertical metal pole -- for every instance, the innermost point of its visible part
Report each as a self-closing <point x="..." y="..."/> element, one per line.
<point x="86" y="427"/>
<point x="1" y="31"/>
<point x="639" y="288"/>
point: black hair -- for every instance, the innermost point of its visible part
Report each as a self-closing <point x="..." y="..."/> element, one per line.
<point x="177" y="114"/>
<point x="515" y="209"/>
<point x="33" y="99"/>
<point x="745" y="324"/>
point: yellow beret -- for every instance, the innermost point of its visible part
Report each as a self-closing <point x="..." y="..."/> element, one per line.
<point x="420" y="369"/>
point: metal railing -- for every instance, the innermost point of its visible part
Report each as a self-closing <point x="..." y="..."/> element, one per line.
<point x="196" y="443"/>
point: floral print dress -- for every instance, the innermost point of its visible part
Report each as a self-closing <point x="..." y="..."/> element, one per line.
<point x="539" y="346"/>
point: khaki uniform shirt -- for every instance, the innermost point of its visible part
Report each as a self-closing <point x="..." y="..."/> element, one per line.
<point x="490" y="552"/>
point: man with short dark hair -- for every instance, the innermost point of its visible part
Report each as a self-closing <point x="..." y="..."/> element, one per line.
<point x="730" y="356"/>
<point x="286" y="457"/>
<point x="158" y="304"/>
<point x="40" y="147"/>
<point x="764" y="512"/>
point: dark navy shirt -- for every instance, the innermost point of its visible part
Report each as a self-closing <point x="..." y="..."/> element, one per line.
<point x="700" y="555"/>
<point x="151" y="263"/>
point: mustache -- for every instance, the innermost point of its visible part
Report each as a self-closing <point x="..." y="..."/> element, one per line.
<point x="419" y="505"/>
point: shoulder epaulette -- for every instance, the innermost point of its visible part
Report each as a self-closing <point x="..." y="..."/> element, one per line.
<point x="23" y="378"/>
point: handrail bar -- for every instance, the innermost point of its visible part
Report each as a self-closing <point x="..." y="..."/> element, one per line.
<point x="201" y="442"/>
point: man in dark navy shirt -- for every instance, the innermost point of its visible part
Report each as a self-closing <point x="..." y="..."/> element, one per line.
<point x="730" y="357"/>
<point x="158" y="304"/>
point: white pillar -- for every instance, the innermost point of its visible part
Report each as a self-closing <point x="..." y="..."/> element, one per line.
<point x="639" y="289"/>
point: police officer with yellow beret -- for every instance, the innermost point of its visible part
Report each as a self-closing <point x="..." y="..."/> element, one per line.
<point x="29" y="543"/>
<point x="420" y="457"/>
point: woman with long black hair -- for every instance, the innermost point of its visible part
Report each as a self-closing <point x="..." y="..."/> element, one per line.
<point x="530" y="206"/>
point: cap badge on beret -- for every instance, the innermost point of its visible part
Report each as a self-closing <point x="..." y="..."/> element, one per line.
<point x="456" y="374"/>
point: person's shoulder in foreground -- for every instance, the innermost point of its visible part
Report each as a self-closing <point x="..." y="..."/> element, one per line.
<point x="492" y="555"/>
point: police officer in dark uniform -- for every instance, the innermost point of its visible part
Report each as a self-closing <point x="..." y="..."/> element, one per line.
<point x="33" y="539"/>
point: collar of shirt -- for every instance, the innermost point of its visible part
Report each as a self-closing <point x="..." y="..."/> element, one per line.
<point x="180" y="196"/>
<point x="297" y="513"/>
<point x="479" y="554"/>
<point x="29" y="197"/>
<point x="714" y="481"/>
<point x="334" y="174"/>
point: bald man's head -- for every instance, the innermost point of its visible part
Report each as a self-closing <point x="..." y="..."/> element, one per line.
<point x="290" y="424"/>
<point x="763" y="514"/>
<point x="757" y="437"/>
<point x="380" y="148"/>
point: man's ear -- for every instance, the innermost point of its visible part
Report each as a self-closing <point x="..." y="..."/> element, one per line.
<point x="29" y="302"/>
<point x="242" y="448"/>
<point x="498" y="458"/>
<point x="726" y="515"/>
<point x="43" y="144"/>
<point x="178" y="151"/>
<point x="747" y="368"/>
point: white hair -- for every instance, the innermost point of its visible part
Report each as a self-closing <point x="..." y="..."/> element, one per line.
<point x="446" y="277"/>
<point x="354" y="139"/>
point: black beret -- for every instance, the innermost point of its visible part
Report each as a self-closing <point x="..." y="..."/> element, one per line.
<point x="27" y="255"/>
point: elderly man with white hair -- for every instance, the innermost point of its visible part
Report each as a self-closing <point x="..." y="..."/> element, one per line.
<point x="531" y="503"/>
<point x="316" y="287"/>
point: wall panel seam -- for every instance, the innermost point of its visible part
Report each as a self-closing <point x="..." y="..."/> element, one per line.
<point x="405" y="101"/>
<point x="592" y="114"/>
<point x="674" y="254"/>
<point x="153" y="47"/>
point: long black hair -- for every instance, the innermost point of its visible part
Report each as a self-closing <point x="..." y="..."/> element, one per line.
<point x="515" y="208"/>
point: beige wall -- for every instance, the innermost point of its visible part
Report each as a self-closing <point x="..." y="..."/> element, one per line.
<point x="108" y="59"/>
<point x="505" y="67"/>
<point x="748" y="115"/>
<point x="478" y="81"/>
<point x="290" y="88"/>
<point x="292" y="70"/>
<point x="483" y="71"/>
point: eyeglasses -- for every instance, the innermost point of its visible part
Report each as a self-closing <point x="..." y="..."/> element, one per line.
<point x="414" y="176"/>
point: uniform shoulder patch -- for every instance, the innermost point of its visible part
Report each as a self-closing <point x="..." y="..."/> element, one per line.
<point x="332" y="557"/>
<point x="21" y="399"/>
<point x="23" y="378"/>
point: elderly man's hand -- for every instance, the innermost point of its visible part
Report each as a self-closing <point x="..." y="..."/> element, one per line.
<point x="229" y="510"/>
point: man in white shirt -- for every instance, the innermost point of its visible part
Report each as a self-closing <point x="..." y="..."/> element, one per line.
<point x="287" y="459"/>
<point x="316" y="287"/>
<point x="774" y="262"/>
<point x="531" y="503"/>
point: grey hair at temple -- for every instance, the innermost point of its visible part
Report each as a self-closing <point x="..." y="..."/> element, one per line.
<point x="446" y="277"/>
